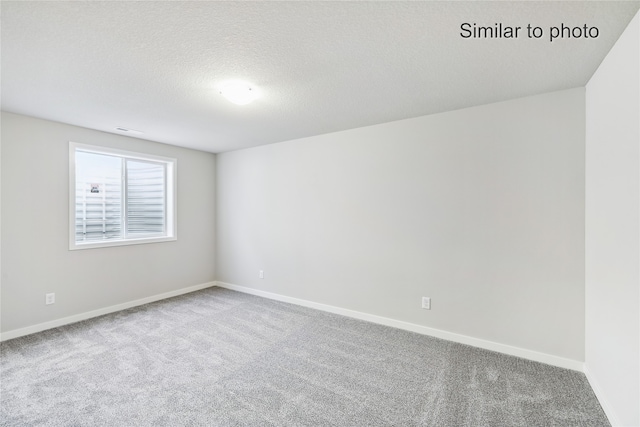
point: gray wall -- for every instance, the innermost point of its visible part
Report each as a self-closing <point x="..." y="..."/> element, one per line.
<point x="613" y="229"/>
<point x="35" y="254"/>
<point x="481" y="209"/>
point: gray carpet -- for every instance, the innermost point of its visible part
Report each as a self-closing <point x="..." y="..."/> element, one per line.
<point x="223" y="358"/>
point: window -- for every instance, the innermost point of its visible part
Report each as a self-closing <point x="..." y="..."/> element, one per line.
<point x="119" y="197"/>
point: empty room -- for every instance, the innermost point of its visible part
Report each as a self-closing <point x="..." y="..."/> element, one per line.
<point x="322" y="213"/>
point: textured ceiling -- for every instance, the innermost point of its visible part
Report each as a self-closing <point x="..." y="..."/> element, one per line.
<point x="319" y="66"/>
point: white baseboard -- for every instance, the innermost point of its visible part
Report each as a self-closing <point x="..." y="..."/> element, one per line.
<point x="424" y="330"/>
<point x="99" y="312"/>
<point x="604" y="402"/>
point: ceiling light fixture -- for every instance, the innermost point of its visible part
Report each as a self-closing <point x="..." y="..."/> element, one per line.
<point x="238" y="92"/>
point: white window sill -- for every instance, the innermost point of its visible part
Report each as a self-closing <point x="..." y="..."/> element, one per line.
<point x="121" y="242"/>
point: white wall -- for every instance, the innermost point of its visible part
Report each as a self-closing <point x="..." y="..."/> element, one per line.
<point x="613" y="229"/>
<point x="481" y="209"/>
<point x="35" y="254"/>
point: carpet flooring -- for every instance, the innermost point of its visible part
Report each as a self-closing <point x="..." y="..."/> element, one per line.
<point x="221" y="358"/>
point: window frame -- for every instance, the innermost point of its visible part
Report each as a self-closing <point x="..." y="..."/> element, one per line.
<point x="171" y="222"/>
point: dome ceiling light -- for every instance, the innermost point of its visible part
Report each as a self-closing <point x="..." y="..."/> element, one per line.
<point x="238" y="92"/>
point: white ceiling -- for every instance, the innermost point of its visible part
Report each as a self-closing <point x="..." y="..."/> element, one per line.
<point x="319" y="66"/>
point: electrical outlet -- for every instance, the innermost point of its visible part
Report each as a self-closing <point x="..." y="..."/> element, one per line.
<point x="49" y="298"/>
<point x="426" y="303"/>
<point x="261" y="274"/>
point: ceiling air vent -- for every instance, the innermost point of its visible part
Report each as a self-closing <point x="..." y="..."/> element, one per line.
<point x="129" y="130"/>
